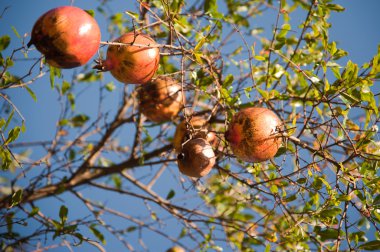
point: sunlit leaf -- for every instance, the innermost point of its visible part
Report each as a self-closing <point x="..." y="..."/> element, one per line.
<point x="170" y="195"/>
<point x="16" y="198"/>
<point x="370" y="246"/>
<point x="4" y="42"/>
<point x="63" y="211"/>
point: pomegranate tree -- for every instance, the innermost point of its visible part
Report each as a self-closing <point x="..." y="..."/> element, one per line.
<point x="133" y="60"/>
<point x="197" y="158"/>
<point x="253" y="134"/>
<point x="68" y="36"/>
<point x="161" y="99"/>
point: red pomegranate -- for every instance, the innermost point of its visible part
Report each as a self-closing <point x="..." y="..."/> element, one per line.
<point x="133" y="63"/>
<point x="161" y="99"/>
<point x="253" y="134"/>
<point x="67" y="36"/>
<point x="197" y="158"/>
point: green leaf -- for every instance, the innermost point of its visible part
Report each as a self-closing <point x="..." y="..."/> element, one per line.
<point x="283" y="31"/>
<point x="52" y="77"/>
<point x="89" y="77"/>
<point x="339" y="54"/>
<point x="281" y="150"/>
<point x="153" y="215"/>
<point x="23" y="128"/>
<point x="63" y="122"/>
<point x="375" y="63"/>
<point x="132" y="14"/>
<point x="71" y="99"/>
<point x="259" y="58"/>
<point x="176" y="5"/>
<point x="9" y="62"/>
<point x="345" y="197"/>
<point x="97" y="233"/>
<point x="54" y="72"/>
<point x="131" y="229"/>
<point x="279" y="45"/>
<point x="333" y="212"/>
<point x="198" y="58"/>
<point x="72" y="154"/>
<point x="2" y="122"/>
<point x="70" y="229"/>
<point x="170" y="194"/>
<point x="16" y="198"/>
<point x="267" y="248"/>
<point x="9" y="219"/>
<point x="110" y="86"/>
<point x="301" y="180"/>
<point x="91" y="12"/>
<point x="5" y="159"/>
<point x="13" y="135"/>
<point x="371" y="245"/>
<point x="349" y="97"/>
<point x="57" y="226"/>
<point x="290" y="198"/>
<point x="117" y="181"/>
<point x="200" y="44"/>
<point x="63" y="211"/>
<point x="34" y="211"/>
<point x="328" y="234"/>
<point x="273" y="189"/>
<point x="79" y="120"/>
<point x="336" y="72"/>
<point x="15" y="32"/>
<point x="263" y="93"/>
<point x="80" y="237"/>
<point x="8" y="120"/>
<point x="246" y="92"/>
<point x="31" y="93"/>
<point x="183" y="233"/>
<point x="4" y="42"/>
<point x="332" y="50"/>
<point x="376" y="200"/>
<point x="210" y="6"/>
<point x="228" y="80"/>
<point x="65" y="87"/>
<point x="335" y="7"/>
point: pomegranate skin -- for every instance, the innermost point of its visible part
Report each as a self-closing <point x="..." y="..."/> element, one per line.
<point x="132" y="64"/>
<point x="253" y="134"/>
<point x="197" y="158"/>
<point x="161" y="99"/>
<point x="68" y="36"/>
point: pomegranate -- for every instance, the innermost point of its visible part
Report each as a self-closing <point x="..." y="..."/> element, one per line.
<point x="67" y="36"/>
<point x="197" y="158"/>
<point x="253" y="134"/>
<point x="198" y="127"/>
<point x="133" y="63"/>
<point x="161" y="99"/>
<point x="176" y="249"/>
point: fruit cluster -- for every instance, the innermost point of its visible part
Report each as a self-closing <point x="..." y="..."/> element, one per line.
<point x="69" y="37"/>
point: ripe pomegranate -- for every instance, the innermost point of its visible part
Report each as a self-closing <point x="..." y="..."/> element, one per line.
<point x="133" y="63"/>
<point x="197" y="158"/>
<point x="67" y="36"/>
<point x="253" y="134"/>
<point x="161" y="99"/>
<point x="198" y="127"/>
